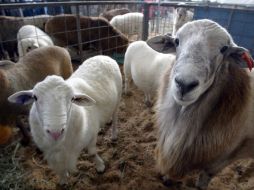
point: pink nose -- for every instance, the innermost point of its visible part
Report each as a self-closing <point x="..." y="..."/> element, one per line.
<point x="56" y="134"/>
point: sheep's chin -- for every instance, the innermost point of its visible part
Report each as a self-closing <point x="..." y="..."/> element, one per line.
<point x="185" y="101"/>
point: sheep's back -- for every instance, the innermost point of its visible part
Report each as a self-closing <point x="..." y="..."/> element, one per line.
<point x="111" y="13"/>
<point x="100" y="71"/>
<point x="147" y="65"/>
<point x="103" y="80"/>
<point x="95" y="31"/>
<point x="51" y="60"/>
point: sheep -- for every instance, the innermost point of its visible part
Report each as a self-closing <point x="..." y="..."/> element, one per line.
<point x="113" y="12"/>
<point x="96" y="33"/>
<point x="67" y="115"/>
<point x="205" y="104"/>
<point x="129" y="23"/>
<point x="32" y="68"/>
<point x="145" y="66"/>
<point x="181" y="16"/>
<point x="12" y="25"/>
<point x="30" y="37"/>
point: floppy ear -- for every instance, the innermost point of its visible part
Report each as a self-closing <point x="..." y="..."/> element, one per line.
<point x="42" y="43"/>
<point x="162" y="43"/>
<point x="22" y="97"/>
<point x="35" y="45"/>
<point x="240" y="55"/>
<point x="83" y="100"/>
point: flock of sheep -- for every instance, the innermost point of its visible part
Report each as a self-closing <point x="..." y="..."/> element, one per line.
<point x="204" y="108"/>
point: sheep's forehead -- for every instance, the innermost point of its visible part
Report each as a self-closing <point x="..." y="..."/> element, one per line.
<point x="53" y="89"/>
<point x="205" y="32"/>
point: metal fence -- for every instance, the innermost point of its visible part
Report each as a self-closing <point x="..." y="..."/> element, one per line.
<point x="97" y="37"/>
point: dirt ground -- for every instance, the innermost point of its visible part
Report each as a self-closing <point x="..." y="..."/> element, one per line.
<point x="130" y="163"/>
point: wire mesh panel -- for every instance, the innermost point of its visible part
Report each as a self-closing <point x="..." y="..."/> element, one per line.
<point x="160" y="19"/>
<point x="81" y="28"/>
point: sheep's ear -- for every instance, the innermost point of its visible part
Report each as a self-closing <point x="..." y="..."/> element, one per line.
<point x="240" y="55"/>
<point x="22" y="97"/>
<point x="42" y="44"/>
<point x="83" y="100"/>
<point x="162" y="44"/>
<point x="35" y="45"/>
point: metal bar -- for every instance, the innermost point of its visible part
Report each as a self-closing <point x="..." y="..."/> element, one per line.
<point x="169" y="4"/>
<point x="230" y="18"/>
<point x="158" y="17"/>
<point x="73" y="3"/>
<point x="145" y="30"/>
<point x="78" y="29"/>
<point x="21" y="12"/>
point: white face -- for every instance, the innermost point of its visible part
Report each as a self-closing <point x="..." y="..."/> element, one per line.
<point x="198" y="57"/>
<point x="29" y="44"/>
<point x="52" y="101"/>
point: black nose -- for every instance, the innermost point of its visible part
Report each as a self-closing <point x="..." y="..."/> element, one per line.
<point x="186" y="86"/>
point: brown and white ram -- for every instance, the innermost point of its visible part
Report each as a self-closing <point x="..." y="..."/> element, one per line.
<point x="205" y="108"/>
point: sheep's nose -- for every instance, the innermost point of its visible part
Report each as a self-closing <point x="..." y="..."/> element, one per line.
<point x="55" y="134"/>
<point x="186" y="86"/>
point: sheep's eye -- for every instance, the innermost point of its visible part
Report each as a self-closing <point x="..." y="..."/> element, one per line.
<point x="29" y="49"/>
<point x="35" y="98"/>
<point x="223" y="49"/>
<point x="176" y="42"/>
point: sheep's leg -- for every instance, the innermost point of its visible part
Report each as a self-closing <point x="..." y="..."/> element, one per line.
<point x="99" y="164"/>
<point x="203" y="180"/>
<point x="114" y="124"/>
<point x="72" y="162"/>
<point x="126" y="85"/>
<point x="148" y="101"/>
<point x="242" y="152"/>
<point x="63" y="178"/>
<point x="26" y="136"/>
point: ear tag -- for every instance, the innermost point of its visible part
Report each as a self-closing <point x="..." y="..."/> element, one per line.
<point x="248" y="60"/>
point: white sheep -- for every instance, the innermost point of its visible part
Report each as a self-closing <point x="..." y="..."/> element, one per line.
<point x="205" y="109"/>
<point x="30" y="37"/>
<point x="67" y="115"/>
<point x="145" y="66"/>
<point x="181" y="16"/>
<point x="129" y="23"/>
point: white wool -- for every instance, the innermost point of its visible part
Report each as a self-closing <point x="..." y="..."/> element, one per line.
<point x="129" y="23"/>
<point x="145" y="66"/>
<point x="30" y="37"/>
